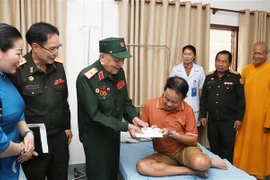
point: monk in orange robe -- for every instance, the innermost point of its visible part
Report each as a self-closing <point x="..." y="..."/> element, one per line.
<point x="252" y="145"/>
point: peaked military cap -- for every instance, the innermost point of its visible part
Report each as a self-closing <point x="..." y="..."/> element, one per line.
<point x="115" y="47"/>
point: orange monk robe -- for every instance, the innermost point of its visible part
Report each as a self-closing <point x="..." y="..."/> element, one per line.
<point x="252" y="145"/>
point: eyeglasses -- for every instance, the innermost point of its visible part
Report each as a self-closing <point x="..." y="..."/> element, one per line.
<point x="52" y="49"/>
<point x="166" y="99"/>
<point x="117" y="60"/>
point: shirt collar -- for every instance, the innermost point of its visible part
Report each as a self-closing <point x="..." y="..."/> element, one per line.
<point x="225" y="74"/>
<point x="101" y="68"/>
<point x="3" y="75"/>
<point x="32" y="66"/>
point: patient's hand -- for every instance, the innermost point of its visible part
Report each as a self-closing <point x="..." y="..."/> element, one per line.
<point x="165" y="132"/>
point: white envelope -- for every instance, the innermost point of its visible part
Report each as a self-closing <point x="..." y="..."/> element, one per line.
<point x="150" y="133"/>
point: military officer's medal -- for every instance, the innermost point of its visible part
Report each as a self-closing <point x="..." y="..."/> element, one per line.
<point x="102" y="89"/>
<point x="31" y="78"/>
<point x="97" y="90"/>
<point x="212" y="79"/>
<point x="108" y="89"/>
<point x="102" y="93"/>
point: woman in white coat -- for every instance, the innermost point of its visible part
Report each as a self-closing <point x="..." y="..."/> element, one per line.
<point x="194" y="75"/>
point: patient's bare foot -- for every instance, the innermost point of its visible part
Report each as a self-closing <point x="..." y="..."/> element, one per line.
<point x="200" y="173"/>
<point x="219" y="163"/>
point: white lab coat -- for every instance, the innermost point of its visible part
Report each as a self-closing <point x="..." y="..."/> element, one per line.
<point x="195" y="80"/>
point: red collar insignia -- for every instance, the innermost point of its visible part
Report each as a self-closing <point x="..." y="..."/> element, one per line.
<point x="120" y="84"/>
<point x="100" y="75"/>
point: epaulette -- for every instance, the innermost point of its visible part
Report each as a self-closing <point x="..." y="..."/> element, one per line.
<point x="59" y="60"/>
<point x="234" y="72"/>
<point x="90" y="73"/>
<point x="22" y="62"/>
<point x="209" y="73"/>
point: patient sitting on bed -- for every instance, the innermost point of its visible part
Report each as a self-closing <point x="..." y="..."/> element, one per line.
<point x="177" y="152"/>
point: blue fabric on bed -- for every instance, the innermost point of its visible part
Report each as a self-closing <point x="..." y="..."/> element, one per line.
<point x="131" y="153"/>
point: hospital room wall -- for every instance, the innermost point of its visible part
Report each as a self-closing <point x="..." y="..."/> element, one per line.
<point x="88" y="21"/>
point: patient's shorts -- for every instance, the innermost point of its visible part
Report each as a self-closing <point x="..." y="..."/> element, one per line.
<point x="181" y="157"/>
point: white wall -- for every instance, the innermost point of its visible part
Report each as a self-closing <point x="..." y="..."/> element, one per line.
<point x="92" y="20"/>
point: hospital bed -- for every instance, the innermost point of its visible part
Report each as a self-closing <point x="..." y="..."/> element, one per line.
<point x="132" y="152"/>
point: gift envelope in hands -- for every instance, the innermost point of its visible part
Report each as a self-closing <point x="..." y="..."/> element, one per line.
<point x="150" y="133"/>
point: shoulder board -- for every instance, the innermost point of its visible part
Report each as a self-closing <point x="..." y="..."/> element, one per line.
<point x="59" y="60"/>
<point x="209" y="73"/>
<point x="22" y="62"/>
<point x="234" y="72"/>
<point x="90" y="73"/>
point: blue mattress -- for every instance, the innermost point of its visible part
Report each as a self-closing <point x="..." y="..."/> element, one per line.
<point x="131" y="153"/>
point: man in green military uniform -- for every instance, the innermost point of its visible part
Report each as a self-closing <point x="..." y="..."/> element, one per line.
<point x="102" y="103"/>
<point x="41" y="80"/>
<point x="223" y="99"/>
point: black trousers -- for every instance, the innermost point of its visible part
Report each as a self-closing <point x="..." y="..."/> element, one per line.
<point x="221" y="136"/>
<point x="53" y="165"/>
<point x="102" y="161"/>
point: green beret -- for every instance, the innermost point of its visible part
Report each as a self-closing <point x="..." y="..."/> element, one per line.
<point x="115" y="47"/>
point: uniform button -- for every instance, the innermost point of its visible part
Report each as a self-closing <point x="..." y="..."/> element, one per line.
<point x="217" y="94"/>
<point x="216" y="102"/>
<point x="33" y="92"/>
<point x="46" y="87"/>
<point x="218" y="86"/>
<point x="51" y="114"/>
<point x="116" y="108"/>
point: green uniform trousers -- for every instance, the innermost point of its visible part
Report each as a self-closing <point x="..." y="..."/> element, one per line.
<point x="102" y="161"/>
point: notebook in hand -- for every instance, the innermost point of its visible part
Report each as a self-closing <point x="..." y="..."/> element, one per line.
<point x="41" y="144"/>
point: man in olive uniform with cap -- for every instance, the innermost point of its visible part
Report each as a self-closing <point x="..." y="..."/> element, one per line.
<point x="102" y="103"/>
<point x="41" y="80"/>
<point x="223" y="99"/>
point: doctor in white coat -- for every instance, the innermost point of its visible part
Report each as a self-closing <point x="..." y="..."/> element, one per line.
<point x="194" y="75"/>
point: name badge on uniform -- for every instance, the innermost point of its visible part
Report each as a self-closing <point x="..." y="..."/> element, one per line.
<point x="194" y="89"/>
<point x="193" y="92"/>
